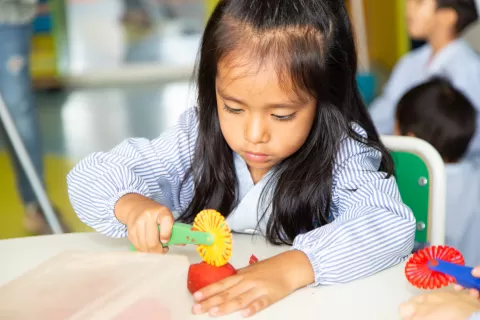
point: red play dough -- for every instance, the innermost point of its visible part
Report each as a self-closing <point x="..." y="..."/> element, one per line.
<point x="202" y="274"/>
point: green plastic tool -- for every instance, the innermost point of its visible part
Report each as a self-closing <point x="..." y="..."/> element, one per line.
<point x="182" y="233"/>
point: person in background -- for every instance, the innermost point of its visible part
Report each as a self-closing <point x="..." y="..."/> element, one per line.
<point x="441" y="115"/>
<point x="443" y="305"/>
<point x="15" y="88"/>
<point x="440" y="23"/>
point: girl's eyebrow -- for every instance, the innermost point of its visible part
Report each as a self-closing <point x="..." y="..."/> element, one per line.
<point x="229" y="97"/>
<point x="292" y="103"/>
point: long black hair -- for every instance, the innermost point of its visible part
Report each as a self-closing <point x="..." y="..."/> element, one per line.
<point x="311" y="43"/>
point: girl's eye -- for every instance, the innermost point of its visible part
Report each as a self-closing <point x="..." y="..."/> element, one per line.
<point x="231" y="110"/>
<point x="284" y="118"/>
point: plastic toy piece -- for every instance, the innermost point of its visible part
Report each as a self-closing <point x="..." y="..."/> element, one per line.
<point x="182" y="233"/>
<point x="253" y="259"/>
<point x="438" y="266"/>
<point x="202" y="274"/>
<point x="209" y="232"/>
<point x="213" y="223"/>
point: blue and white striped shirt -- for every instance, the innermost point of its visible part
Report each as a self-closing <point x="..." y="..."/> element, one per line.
<point x="371" y="228"/>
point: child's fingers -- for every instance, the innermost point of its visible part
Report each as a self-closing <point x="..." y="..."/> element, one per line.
<point x="152" y="237"/>
<point x="476" y="272"/>
<point x="139" y="233"/>
<point x="458" y="287"/>
<point x="407" y="310"/>
<point x="132" y="237"/>
<point x="474" y="293"/>
<point x="419" y="299"/>
<point x="166" y="225"/>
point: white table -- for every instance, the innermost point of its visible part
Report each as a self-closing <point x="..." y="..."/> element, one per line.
<point x="376" y="297"/>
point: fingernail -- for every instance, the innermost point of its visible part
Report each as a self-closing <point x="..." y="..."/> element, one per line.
<point x="197" y="295"/>
<point x="197" y="308"/>
<point x="213" y="311"/>
<point x="476" y="272"/>
<point x="163" y="241"/>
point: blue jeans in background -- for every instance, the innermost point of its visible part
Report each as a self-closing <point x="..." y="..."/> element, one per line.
<point x="16" y="90"/>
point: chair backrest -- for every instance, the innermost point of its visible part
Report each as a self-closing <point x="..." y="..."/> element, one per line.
<point x="420" y="174"/>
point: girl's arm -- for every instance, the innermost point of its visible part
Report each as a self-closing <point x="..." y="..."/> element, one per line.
<point x="154" y="169"/>
<point x="372" y="229"/>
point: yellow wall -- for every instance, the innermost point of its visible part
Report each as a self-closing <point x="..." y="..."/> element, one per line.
<point x="210" y="5"/>
<point x="43" y="58"/>
<point x="386" y="28"/>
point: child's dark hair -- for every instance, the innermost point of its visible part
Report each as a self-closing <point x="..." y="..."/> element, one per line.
<point x="466" y="12"/>
<point x="312" y="46"/>
<point x="440" y="114"/>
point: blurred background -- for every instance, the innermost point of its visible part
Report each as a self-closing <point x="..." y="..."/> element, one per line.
<point x="105" y="70"/>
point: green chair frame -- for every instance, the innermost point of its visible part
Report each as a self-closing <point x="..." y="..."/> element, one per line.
<point x="420" y="175"/>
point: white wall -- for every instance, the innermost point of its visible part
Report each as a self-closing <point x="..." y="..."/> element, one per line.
<point x="473" y="36"/>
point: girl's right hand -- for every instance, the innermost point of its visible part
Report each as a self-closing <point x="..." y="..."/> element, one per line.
<point x="472" y="292"/>
<point x="142" y="216"/>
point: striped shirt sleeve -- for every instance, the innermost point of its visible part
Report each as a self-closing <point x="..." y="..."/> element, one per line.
<point x="153" y="168"/>
<point x="371" y="230"/>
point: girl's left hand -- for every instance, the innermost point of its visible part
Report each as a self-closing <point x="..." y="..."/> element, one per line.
<point x="442" y="305"/>
<point x="255" y="287"/>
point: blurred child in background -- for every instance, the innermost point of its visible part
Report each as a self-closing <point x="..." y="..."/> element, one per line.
<point x="440" y="23"/>
<point x="441" y="115"/>
<point x="16" y="28"/>
<point x="15" y="88"/>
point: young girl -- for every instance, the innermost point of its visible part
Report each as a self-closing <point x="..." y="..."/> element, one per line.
<point x="280" y="142"/>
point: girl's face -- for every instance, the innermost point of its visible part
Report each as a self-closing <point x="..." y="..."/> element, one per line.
<point x="260" y="117"/>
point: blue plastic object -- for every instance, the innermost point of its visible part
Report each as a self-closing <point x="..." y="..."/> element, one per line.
<point x="462" y="274"/>
<point x="42" y="24"/>
<point x="366" y="84"/>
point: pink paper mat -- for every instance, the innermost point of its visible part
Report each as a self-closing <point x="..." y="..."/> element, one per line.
<point x="80" y="285"/>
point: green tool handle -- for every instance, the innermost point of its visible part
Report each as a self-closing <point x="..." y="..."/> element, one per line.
<point x="182" y="234"/>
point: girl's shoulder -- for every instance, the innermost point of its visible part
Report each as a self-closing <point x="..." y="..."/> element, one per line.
<point x="357" y="148"/>
<point x="189" y="116"/>
<point x="187" y="123"/>
<point x="183" y="133"/>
